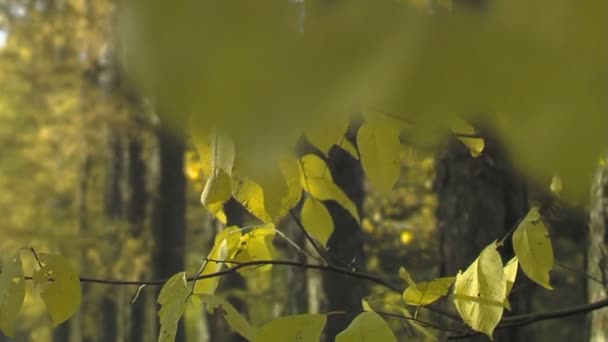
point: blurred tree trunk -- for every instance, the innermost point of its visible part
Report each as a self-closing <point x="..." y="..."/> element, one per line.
<point x="136" y="214"/>
<point x="169" y="214"/>
<point x="597" y="256"/>
<point x="113" y="211"/>
<point x="218" y="328"/>
<point x="480" y="200"/>
<point x="295" y="278"/>
<point x="345" y="247"/>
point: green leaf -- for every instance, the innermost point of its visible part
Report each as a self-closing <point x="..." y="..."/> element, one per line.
<point x="172" y="300"/>
<point x="405" y="275"/>
<point x="313" y="166"/>
<point x="368" y="326"/>
<point x="12" y="293"/>
<point x="480" y="291"/>
<point x="226" y="243"/>
<point x="301" y="328"/>
<point x="427" y="292"/>
<point x="379" y="148"/>
<point x="59" y="285"/>
<point x="532" y="247"/>
<point x="236" y="321"/>
<point x="317" y="220"/>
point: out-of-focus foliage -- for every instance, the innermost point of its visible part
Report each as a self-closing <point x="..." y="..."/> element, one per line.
<point x="366" y="327"/>
<point x="523" y="67"/>
<point x="12" y="293"/>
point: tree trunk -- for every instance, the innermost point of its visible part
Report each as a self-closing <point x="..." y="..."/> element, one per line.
<point x="219" y="330"/>
<point x="345" y="247"/>
<point x="113" y="211"/>
<point x="480" y="200"/>
<point x="597" y="257"/>
<point x="169" y="221"/>
<point x="136" y="214"/>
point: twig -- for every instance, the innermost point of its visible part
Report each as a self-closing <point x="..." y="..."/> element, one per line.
<point x="308" y="237"/>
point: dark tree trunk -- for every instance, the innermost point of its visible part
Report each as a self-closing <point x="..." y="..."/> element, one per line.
<point x="218" y="328"/>
<point x="113" y="211"/>
<point x="169" y="217"/>
<point x="480" y="200"/>
<point x="345" y="247"/>
<point x="136" y="214"/>
<point x="597" y="255"/>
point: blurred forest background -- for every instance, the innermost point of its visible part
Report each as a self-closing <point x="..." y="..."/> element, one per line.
<point x="87" y="169"/>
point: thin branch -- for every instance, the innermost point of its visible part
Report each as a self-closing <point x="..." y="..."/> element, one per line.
<point x="526" y="319"/>
<point x="308" y="237"/>
<point x="588" y="276"/>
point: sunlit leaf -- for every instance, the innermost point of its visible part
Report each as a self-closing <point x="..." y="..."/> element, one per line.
<point x="368" y="326"/>
<point x="510" y="275"/>
<point x="427" y="292"/>
<point x="406" y="276"/>
<point x="313" y="166"/>
<point x="172" y="300"/>
<point x="226" y="243"/>
<point x="12" y="293"/>
<point x="480" y="291"/>
<point x="251" y="196"/>
<point x="533" y="248"/>
<point x="216" y="192"/>
<point x="465" y="133"/>
<point x="235" y="320"/>
<point x="59" y="287"/>
<point x="379" y="149"/>
<point x="301" y="328"/>
<point x="317" y="220"/>
<point x="255" y="245"/>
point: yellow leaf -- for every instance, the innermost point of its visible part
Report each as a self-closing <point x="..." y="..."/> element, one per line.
<point x="347" y="146"/>
<point x="368" y="326"/>
<point x="480" y="291"/>
<point x="379" y="148"/>
<point x="281" y="188"/>
<point x="222" y="153"/>
<point x="427" y="292"/>
<point x="12" y="293"/>
<point x="511" y="273"/>
<point x="556" y="185"/>
<point x="204" y="154"/>
<point x="312" y="166"/>
<point x="324" y="137"/>
<point x="172" y="300"/>
<point x="474" y="144"/>
<point x="317" y="220"/>
<point x="255" y="245"/>
<point x="405" y="275"/>
<point x="317" y="181"/>
<point x="216" y="192"/>
<point x="59" y="285"/>
<point x="226" y="243"/>
<point x="532" y="246"/>
<point x="251" y="196"/>
<point x="236" y="321"/>
<point x="301" y="328"/>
